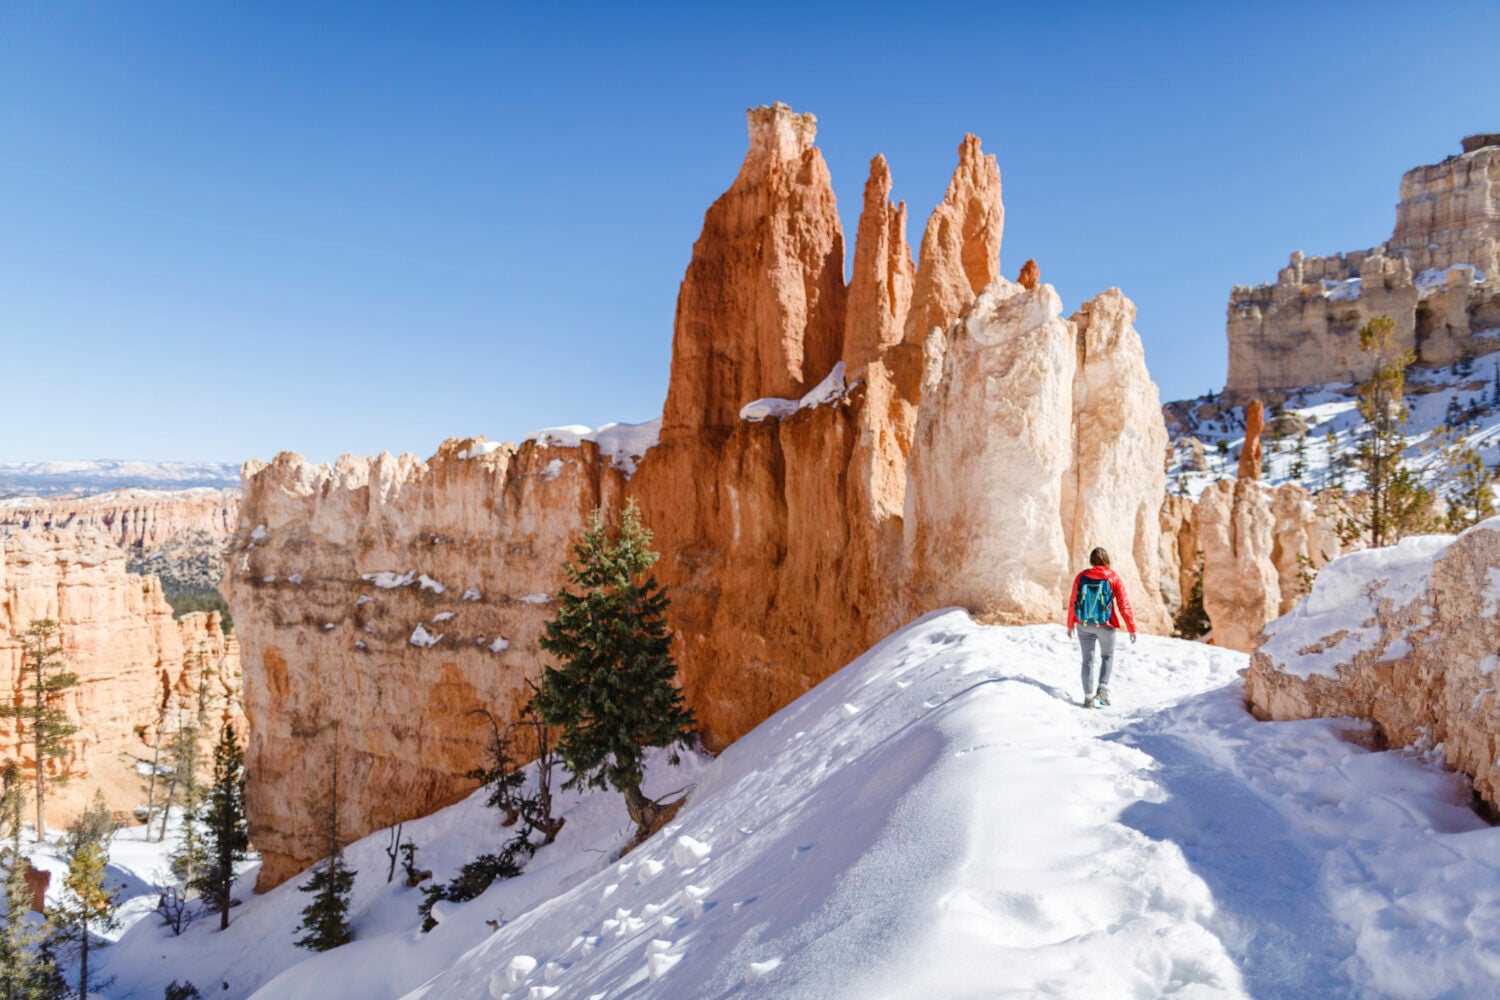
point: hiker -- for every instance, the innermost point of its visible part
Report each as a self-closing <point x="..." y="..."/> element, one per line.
<point x="1097" y="607"/>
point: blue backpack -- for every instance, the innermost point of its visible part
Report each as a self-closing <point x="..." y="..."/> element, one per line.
<point x="1095" y="602"/>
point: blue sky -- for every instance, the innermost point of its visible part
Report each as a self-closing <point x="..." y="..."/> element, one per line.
<point x="229" y="229"/>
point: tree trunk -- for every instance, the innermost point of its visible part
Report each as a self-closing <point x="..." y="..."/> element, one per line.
<point x="643" y="811"/>
<point x="83" y="964"/>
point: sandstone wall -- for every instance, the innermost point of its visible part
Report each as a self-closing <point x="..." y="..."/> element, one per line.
<point x="1405" y="637"/>
<point x="1438" y="278"/>
<point x="792" y="494"/>
<point x="118" y="635"/>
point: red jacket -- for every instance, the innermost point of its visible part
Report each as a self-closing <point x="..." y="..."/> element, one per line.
<point x="1118" y="612"/>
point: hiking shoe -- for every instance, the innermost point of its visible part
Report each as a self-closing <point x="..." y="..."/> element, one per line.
<point x="1102" y="695"/>
<point x="1088" y="702"/>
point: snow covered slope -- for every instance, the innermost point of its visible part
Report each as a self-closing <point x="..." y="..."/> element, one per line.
<point x="1321" y="426"/>
<point x="940" y="818"/>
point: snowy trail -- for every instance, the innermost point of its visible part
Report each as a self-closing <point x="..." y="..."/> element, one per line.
<point x="941" y="818"/>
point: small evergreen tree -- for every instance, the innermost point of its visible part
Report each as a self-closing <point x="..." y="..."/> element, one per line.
<point x="500" y="772"/>
<point x="326" y="919"/>
<point x="226" y="840"/>
<point x="614" y="695"/>
<point x="1299" y="460"/>
<point x="1470" y="497"/>
<point x="89" y="904"/>
<point x="1464" y="367"/>
<point x="182" y="991"/>
<point x="1398" y="503"/>
<point x="42" y="717"/>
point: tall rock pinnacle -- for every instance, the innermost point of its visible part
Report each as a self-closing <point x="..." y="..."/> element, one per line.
<point x="881" y="286"/>
<point x="761" y="308"/>
<point x="961" y="247"/>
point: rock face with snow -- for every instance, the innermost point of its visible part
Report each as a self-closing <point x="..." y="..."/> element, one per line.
<point x="339" y="576"/>
<point x="1438" y="278"/>
<point x="1405" y="636"/>
<point x="792" y="493"/>
<point x="118" y="635"/>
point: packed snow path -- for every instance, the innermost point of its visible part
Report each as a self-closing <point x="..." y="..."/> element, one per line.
<point x="942" y="819"/>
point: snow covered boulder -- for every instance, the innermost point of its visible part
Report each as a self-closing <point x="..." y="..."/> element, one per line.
<point x="1405" y="636"/>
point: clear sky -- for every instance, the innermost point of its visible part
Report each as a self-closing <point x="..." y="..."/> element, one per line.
<point x="229" y="229"/>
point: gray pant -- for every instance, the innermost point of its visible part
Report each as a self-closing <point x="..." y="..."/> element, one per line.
<point x="1088" y="635"/>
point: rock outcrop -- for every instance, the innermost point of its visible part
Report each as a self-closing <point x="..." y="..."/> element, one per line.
<point x="1438" y="278"/>
<point x="1261" y="546"/>
<point x="1404" y="636"/>
<point x="1250" y="452"/>
<point x="118" y="635"/>
<point x="1031" y="275"/>
<point x="793" y="494"/>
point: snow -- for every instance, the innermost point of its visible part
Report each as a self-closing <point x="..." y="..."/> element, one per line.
<point x="1341" y="291"/>
<point x="388" y="580"/>
<point x="535" y="598"/>
<point x="295" y="578"/>
<point x="623" y="444"/>
<point x="259" y="534"/>
<point x="553" y="469"/>
<point x="1343" y="603"/>
<point x="442" y="616"/>
<point x="428" y="583"/>
<point x="1435" y="278"/>
<point x="831" y="389"/>
<point x="472" y="594"/>
<point x="481" y="448"/>
<point x="500" y="645"/>
<point x="970" y="830"/>
<point x="423" y="639"/>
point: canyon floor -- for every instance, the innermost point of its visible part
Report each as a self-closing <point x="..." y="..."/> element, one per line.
<point x="939" y="818"/>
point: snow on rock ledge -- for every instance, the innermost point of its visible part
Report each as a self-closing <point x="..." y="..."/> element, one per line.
<point x="831" y="389"/>
<point x="1400" y="636"/>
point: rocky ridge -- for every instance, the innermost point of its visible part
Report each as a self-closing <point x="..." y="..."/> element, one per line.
<point x="1438" y="278"/>
<point x="810" y="436"/>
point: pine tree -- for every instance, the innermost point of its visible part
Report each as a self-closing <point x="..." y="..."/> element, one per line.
<point x="89" y="904"/>
<point x="614" y="695"/>
<point x="1398" y="503"/>
<point x="1471" y="498"/>
<point x="46" y="678"/>
<point x="326" y="918"/>
<point x="225" y="838"/>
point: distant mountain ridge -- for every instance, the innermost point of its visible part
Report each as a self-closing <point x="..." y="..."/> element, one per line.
<point x="42" y="479"/>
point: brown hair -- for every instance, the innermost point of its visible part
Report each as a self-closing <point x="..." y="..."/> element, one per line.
<point x="1099" y="557"/>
